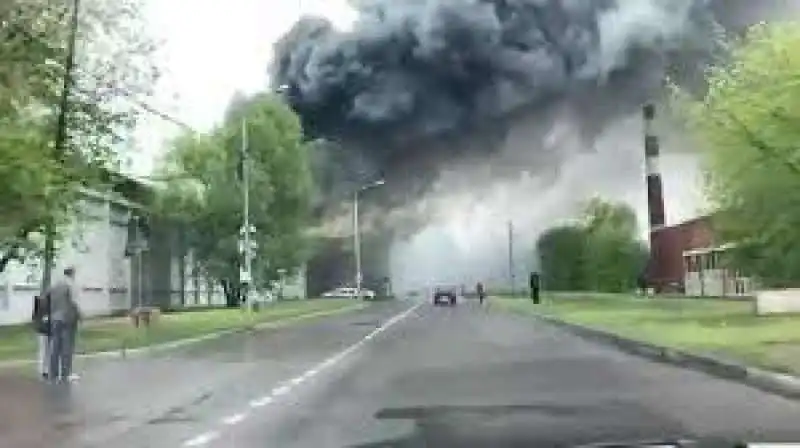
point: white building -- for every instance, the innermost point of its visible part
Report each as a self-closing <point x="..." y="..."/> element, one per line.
<point x="107" y="279"/>
<point x="707" y="276"/>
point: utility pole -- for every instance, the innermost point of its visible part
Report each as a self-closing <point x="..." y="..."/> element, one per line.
<point x="511" y="256"/>
<point x="357" y="243"/>
<point x="246" y="244"/>
<point x="60" y="139"/>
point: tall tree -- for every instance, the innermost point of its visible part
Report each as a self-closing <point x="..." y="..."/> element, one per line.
<point x="205" y="192"/>
<point x="601" y="252"/>
<point x="746" y="124"/>
<point x="562" y="256"/>
<point x="114" y="60"/>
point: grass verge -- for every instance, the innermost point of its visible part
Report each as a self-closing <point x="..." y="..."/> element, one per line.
<point x="727" y="329"/>
<point x="97" y="335"/>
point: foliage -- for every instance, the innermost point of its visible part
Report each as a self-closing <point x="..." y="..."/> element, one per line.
<point x="562" y="254"/>
<point x="599" y="253"/>
<point x="204" y="192"/>
<point x="113" y="61"/>
<point x="747" y="124"/>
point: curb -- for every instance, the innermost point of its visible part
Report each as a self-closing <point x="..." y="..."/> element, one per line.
<point x="780" y="384"/>
<point x="166" y="346"/>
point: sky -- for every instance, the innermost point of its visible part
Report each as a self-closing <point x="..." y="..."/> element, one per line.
<point x="210" y="50"/>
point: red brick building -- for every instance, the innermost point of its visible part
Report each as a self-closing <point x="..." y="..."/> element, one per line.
<point x="686" y="258"/>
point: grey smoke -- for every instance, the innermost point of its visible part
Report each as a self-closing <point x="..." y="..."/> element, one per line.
<point x="455" y="100"/>
<point x="421" y="66"/>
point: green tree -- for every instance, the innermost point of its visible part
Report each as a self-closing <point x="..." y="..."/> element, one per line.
<point x="600" y="253"/>
<point x="746" y="123"/>
<point x="114" y="60"/>
<point x="562" y="252"/>
<point x="205" y="192"/>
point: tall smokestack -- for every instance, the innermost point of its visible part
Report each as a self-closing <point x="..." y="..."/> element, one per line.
<point x="655" y="193"/>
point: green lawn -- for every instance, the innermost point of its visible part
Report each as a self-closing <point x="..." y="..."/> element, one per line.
<point x="18" y="342"/>
<point x="727" y="329"/>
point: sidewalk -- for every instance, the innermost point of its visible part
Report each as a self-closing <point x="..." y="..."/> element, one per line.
<point x="111" y="397"/>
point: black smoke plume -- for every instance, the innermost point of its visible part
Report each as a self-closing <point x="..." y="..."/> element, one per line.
<point x="410" y="68"/>
<point x="412" y="71"/>
<point x="418" y="87"/>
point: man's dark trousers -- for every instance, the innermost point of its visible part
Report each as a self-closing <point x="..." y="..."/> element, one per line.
<point x="62" y="349"/>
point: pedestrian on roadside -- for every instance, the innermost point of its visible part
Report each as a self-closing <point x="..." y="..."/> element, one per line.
<point x="65" y="314"/>
<point x="535" y="286"/>
<point x="641" y="282"/>
<point x="481" y="292"/>
<point x="41" y="325"/>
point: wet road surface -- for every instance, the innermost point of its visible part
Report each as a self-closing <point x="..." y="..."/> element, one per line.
<point x="387" y="376"/>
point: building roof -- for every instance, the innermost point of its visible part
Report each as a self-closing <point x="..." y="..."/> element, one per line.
<point x="688" y="223"/>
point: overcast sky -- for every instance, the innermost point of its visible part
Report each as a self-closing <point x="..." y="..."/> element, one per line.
<point x="211" y="49"/>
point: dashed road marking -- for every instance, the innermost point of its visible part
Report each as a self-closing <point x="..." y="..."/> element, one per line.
<point x="202" y="439"/>
<point x="208" y="437"/>
<point x="234" y="419"/>
<point x="282" y="390"/>
<point x="261" y="402"/>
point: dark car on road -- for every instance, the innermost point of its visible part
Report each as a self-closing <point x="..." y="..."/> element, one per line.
<point x="445" y="295"/>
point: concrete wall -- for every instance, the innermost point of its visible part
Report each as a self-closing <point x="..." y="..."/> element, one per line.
<point x="778" y="301"/>
<point x="294" y="286"/>
<point x="94" y="243"/>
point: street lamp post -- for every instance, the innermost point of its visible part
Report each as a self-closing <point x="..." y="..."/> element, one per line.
<point x="357" y="232"/>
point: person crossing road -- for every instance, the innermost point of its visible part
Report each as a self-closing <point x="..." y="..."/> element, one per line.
<point x="481" y="291"/>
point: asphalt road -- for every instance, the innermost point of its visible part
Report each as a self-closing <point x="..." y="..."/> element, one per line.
<point x="429" y="377"/>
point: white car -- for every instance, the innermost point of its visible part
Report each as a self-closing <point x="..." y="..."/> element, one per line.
<point x="348" y="293"/>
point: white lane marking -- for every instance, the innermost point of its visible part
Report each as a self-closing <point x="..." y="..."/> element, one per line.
<point x="234" y="419"/>
<point x="202" y="439"/>
<point x="278" y="391"/>
<point x="208" y="437"/>
<point x="261" y="402"/>
<point x="341" y="355"/>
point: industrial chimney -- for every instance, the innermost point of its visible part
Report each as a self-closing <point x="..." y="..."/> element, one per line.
<point x="655" y="193"/>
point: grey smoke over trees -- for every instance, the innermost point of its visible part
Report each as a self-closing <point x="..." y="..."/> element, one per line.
<point x="410" y="70"/>
<point x="459" y="101"/>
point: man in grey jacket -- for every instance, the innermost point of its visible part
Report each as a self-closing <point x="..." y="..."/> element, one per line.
<point x="64" y="316"/>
